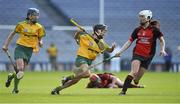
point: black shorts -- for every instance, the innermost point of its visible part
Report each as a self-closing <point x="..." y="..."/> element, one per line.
<point x="144" y="61"/>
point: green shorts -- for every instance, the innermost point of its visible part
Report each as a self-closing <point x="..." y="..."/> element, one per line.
<point x="79" y="61"/>
<point x="23" y="52"/>
<point x="82" y="60"/>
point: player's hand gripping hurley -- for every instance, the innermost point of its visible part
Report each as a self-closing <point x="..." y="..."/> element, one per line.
<point x="82" y="29"/>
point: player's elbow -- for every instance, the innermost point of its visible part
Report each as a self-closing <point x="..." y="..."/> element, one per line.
<point x="161" y="39"/>
<point x="77" y="34"/>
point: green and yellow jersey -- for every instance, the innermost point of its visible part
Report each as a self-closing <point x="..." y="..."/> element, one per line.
<point x="88" y="48"/>
<point x="29" y="34"/>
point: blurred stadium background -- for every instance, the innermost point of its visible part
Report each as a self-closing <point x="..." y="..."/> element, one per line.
<point x="121" y="16"/>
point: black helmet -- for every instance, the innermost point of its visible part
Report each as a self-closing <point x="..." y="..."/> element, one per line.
<point x="32" y="11"/>
<point x="99" y="27"/>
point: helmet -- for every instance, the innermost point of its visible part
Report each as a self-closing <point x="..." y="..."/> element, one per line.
<point x="32" y="11"/>
<point x="94" y="78"/>
<point x="100" y="27"/>
<point x="146" y="13"/>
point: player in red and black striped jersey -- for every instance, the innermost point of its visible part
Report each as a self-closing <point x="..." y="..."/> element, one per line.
<point x="107" y="80"/>
<point x="144" y="51"/>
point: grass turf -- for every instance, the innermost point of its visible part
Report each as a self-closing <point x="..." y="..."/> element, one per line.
<point x="35" y="87"/>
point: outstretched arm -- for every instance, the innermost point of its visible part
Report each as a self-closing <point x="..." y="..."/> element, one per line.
<point x="8" y="40"/>
<point x="124" y="47"/>
<point x="111" y="49"/>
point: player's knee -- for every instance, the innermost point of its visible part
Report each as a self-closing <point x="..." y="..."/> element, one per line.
<point x="88" y="74"/>
<point x="84" y="66"/>
<point x="20" y="75"/>
<point x="20" y="66"/>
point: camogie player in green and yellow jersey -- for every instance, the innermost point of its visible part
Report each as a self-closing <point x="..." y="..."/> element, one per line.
<point x="89" y="47"/>
<point x="30" y="38"/>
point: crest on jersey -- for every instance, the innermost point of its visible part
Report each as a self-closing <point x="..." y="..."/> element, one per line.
<point x="90" y="43"/>
<point x="26" y="30"/>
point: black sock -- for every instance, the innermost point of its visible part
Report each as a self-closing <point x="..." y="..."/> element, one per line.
<point x="127" y="83"/>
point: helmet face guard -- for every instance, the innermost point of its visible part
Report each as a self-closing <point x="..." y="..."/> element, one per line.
<point x="146" y="13"/>
<point x="99" y="27"/>
<point x="145" y="16"/>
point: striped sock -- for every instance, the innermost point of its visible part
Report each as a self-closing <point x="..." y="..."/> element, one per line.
<point x="127" y="83"/>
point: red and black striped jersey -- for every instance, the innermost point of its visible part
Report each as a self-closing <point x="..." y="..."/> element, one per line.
<point x="145" y="40"/>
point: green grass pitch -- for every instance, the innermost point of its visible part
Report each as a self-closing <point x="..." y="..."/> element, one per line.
<point x="36" y="86"/>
